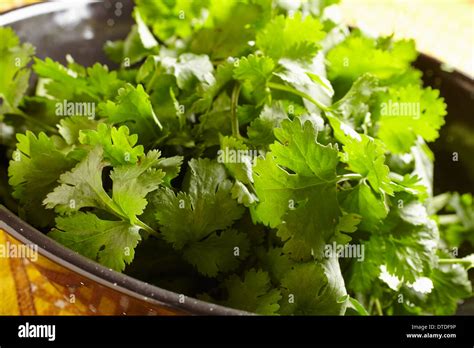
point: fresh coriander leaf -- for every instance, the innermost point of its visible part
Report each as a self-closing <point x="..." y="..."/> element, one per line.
<point x="119" y="147"/>
<point x="222" y="252"/>
<point x="275" y="262"/>
<point x="450" y="284"/>
<point x="83" y="187"/>
<point x="235" y="155"/>
<point x="177" y="18"/>
<point x="254" y="72"/>
<point x="289" y="183"/>
<point x="112" y="243"/>
<point x="260" y="132"/>
<point x="133" y="108"/>
<point x="309" y="78"/>
<point x="358" y="54"/>
<point x="253" y="294"/>
<point x="311" y="164"/>
<point x="294" y="38"/>
<point x="408" y="112"/>
<point x="132" y="184"/>
<point x="34" y="170"/>
<point x="409" y="241"/>
<point x="363" y="201"/>
<point x="71" y="127"/>
<point x="366" y="157"/>
<point x="206" y="205"/>
<point x="313" y="289"/>
<point x="354" y="107"/>
<point x="14" y="58"/>
<point x="229" y="28"/>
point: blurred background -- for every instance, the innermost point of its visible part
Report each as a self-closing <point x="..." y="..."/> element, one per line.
<point x="442" y="28"/>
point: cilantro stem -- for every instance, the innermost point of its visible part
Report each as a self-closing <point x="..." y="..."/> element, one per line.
<point x="448" y="219"/>
<point x="455" y="262"/>
<point x="233" y="111"/>
<point x="378" y="307"/>
<point x="115" y="209"/>
<point x="292" y="90"/>
<point x="148" y="229"/>
<point x="151" y="82"/>
<point x="347" y="177"/>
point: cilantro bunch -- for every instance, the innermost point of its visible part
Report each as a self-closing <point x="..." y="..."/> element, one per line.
<point x="233" y="146"/>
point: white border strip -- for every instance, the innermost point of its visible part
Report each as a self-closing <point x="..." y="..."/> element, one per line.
<point x="40" y="9"/>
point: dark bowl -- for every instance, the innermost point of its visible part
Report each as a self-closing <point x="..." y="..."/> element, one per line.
<point x="81" y="29"/>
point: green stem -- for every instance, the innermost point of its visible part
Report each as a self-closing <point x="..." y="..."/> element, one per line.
<point x="151" y="82"/>
<point x="455" y="262"/>
<point x="233" y="111"/>
<point x="378" y="307"/>
<point x="292" y="90"/>
<point x="350" y="176"/>
<point x="448" y="219"/>
<point x="148" y="229"/>
<point x="115" y="209"/>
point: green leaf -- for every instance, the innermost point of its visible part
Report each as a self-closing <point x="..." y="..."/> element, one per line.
<point x="363" y="201"/>
<point x="112" y="243"/>
<point x="254" y="72"/>
<point x="229" y="28"/>
<point x="177" y="18"/>
<point x="243" y="194"/>
<point x="314" y="289"/>
<point x="63" y="83"/>
<point x="33" y="172"/>
<point x="353" y="108"/>
<point x="275" y="262"/>
<point x="365" y="156"/>
<point x="132" y="184"/>
<point x="206" y="205"/>
<point x="119" y="147"/>
<point x="222" y="252"/>
<point x="253" y="293"/>
<point x="146" y="37"/>
<point x="291" y="37"/>
<point x="71" y="127"/>
<point x="14" y="59"/>
<point x="357" y="306"/>
<point x="133" y="108"/>
<point x="313" y="165"/>
<point x="357" y="55"/>
<point x="450" y="284"/>
<point x="190" y="69"/>
<point x="408" y="112"/>
<point x="236" y="157"/>
<point x="289" y="184"/>
<point x="83" y="187"/>
<point x="308" y="78"/>
<point x="406" y="245"/>
<point x="261" y="130"/>
<point x="80" y="187"/>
